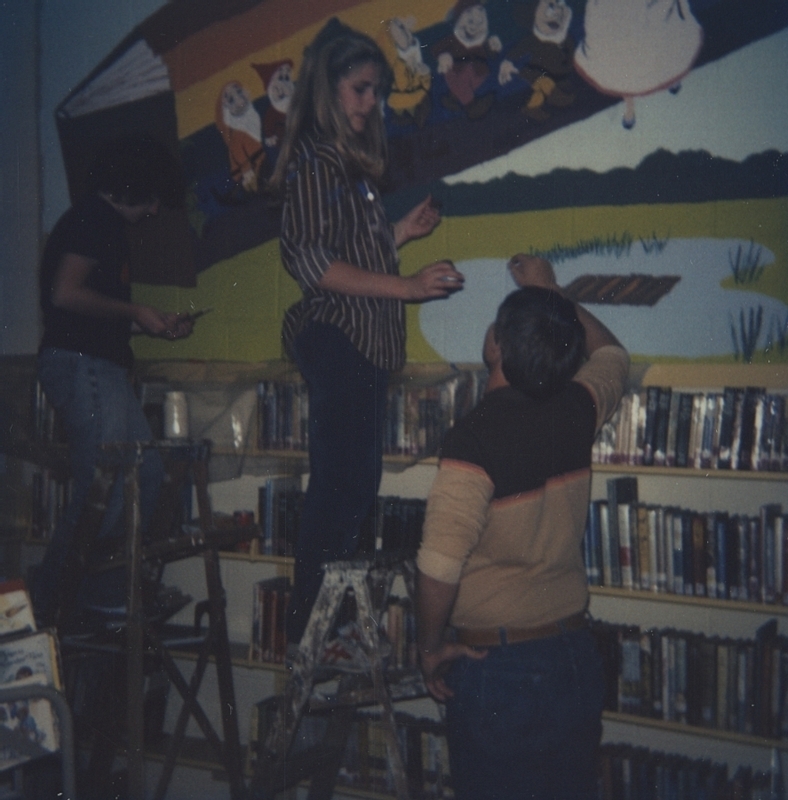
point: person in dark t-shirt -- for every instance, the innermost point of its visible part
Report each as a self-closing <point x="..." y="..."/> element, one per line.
<point x="85" y="355"/>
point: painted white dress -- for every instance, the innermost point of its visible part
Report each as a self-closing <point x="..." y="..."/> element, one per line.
<point x="635" y="47"/>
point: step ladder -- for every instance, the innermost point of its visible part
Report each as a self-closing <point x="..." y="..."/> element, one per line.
<point x="139" y="638"/>
<point x="370" y="584"/>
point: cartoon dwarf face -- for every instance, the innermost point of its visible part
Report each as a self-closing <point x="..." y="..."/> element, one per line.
<point x="235" y="99"/>
<point x="472" y="26"/>
<point x="400" y="33"/>
<point x="551" y="20"/>
<point x="280" y="87"/>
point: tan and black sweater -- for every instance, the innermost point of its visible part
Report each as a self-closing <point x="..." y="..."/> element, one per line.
<point x="506" y="513"/>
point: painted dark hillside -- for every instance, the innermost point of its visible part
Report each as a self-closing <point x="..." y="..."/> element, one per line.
<point x="662" y="177"/>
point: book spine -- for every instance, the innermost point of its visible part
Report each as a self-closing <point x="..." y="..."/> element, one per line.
<point x="687" y="553"/>
<point x="699" y="564"/>
<point x="683" y="425"/>
<point x="649" y="433"/>
<point x="646" y="567"/>
<point x="725" y="439"/>
<point x="626" y="549"/>
<point x="656" y="521"/>
<point x="607" y="547"/>
<point x="662" y="427"/>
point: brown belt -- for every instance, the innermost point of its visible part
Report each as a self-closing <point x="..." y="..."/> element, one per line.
<point x="489" y="637"/>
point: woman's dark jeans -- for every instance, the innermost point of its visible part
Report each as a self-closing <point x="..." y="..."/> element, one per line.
<point x="347" y="408"/>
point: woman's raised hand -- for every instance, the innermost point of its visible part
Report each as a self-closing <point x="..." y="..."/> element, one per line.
<point x="419" y="221"/>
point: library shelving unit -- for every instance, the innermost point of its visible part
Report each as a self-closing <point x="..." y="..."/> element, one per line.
<point x="701" y="489"/>
<point x="224" y="406"/>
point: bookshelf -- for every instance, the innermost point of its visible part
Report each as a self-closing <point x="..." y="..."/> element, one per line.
<point x="703" y="489"/>
<point x="223" y="398"/>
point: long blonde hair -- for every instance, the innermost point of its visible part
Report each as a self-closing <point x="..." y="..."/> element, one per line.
<point x="335" y="51"/>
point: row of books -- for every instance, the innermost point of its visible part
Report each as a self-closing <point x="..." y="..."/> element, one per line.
<point x="268" y="643"/>
<point x="50" y="494"/>
<point x="420" y="410"/>
<point x="422" y="744"/>
<point x="726" y="684"/>
<point x="365" y="765"/>
<point x="394" y="525"/>
<point x="28" y="657"/>
<point x="737" y="428"/>
<point x="270" y="599"/>
<point x="638" y="773"/>
<point x="47" y="425"/>
<point x="399" y="626"/>
<point x="634" y="545"/>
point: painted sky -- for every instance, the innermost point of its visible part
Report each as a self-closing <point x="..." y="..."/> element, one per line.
<point x="748" y="118"/>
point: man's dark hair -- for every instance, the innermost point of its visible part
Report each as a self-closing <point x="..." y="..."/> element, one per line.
<point x="541" y="339"/>
<point x="135" y="169"/>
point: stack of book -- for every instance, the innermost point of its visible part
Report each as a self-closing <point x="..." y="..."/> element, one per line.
<point x="270" y="599"/>
<point x="421" y="408"/>
<point x="282" y="415"/>
<point x="399" y="626"/>
<point x="727" y="684"/>
<point x="47" y="424"/>
<point x="638" y="773"/>
<point x="634" y="545"/>
<point x="393" y="526"/>
<point x="27" y="657"/>
<point x="50" y="496"/>
<point x="737" y="428"/>
<point x="365" y="765"/>
<point x="280" y="500"/>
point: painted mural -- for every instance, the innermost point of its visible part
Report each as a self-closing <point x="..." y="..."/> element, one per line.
<point x="640" y="144"/>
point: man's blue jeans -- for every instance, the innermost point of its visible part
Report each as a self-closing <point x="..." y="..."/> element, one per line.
<point x="347" y="407"/>
<point x="525" y="722"/>
<point x="97" y="404"/>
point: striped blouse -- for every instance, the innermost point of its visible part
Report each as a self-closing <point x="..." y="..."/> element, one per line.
<point x="329" y="216"/>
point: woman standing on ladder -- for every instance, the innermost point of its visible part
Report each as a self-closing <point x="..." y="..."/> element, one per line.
<point x="348" y="331"/>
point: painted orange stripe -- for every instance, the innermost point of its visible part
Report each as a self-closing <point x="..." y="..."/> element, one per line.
<point x="217" y="46"/>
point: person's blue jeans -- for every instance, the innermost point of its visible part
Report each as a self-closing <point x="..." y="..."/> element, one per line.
<point x="347" y="407"/>
<point x="97" y="404"/>
<point x="525" y="722"/>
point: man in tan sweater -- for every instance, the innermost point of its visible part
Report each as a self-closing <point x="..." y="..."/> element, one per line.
<point x="502" y="594"/>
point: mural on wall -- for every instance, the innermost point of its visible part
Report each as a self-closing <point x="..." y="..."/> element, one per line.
<point x="640" y="144"/>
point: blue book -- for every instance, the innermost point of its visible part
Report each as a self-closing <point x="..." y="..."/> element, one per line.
<point x="592" y="546"/>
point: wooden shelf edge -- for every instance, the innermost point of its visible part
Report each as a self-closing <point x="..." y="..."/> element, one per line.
<point x="232" y="555"/>
<point x="681" y="599"/>
<point x="691" y="472"/>
<point x="692" y="730"/>
<point x="197" y="757"/>
<point x="392" y="460"/>
<point x="237" y="649"/>
<point x="716" y="376"/>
